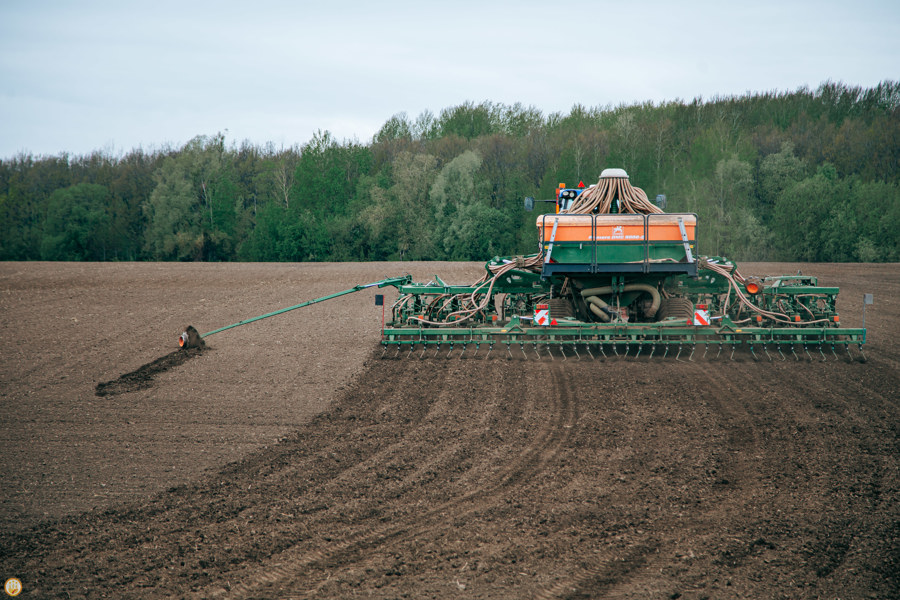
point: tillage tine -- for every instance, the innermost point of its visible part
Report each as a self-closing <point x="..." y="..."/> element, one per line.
<point x="691" y="357"/>
<point x="398" y="352"/>
<point x="766" y="348"/>
<point x="781" y="353"/>
<point x="679" y="354"/>
<point x="424" y="349"/>
<point x="508" y="352"/>
<point x="602" y="352"/>
<point x="794" y="352"/>
<point x="575" y="349"/>
<point x="808" y="355"/>
<point x="752" y="353"/>
<point x="733" y="347"/>
<point x="411" y="348"/>
<point x="536" y="351"/>
<point x="384" y="349"/>
<point x="588" y="346"/>
<point x="451" y="352"/>
<point x="438" y="351"/>
<point x="465" y="345"/>
<point x="616" y="349"/>
<point x="550" y="352"/>
<point x="522" y="346"/>
<point x="822" y="353"/>
<point x="705" y="350"/>
<point x="666" y="353"/>
<point x="640" y="347"/>
<point x="490" y="349"/>
<point x="719" y="353"/>
<point x="652" y="350"/>
<point x="626" y="352"/>
<point x="835" y="353"/>
<point x="563" y="352"/>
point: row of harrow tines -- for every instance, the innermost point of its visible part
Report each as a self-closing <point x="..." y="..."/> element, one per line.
<point x="620" y="350"/>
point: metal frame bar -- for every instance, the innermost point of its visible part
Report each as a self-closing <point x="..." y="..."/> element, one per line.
<point x="659" y="333"/>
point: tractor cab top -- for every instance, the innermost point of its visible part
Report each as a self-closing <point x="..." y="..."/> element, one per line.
<point x="566" y="196"/>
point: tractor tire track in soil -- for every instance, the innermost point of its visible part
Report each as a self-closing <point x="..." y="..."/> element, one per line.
<point x="484" y="478"/>
<point x="290" y="576"/>
<point x="506" y="478"/>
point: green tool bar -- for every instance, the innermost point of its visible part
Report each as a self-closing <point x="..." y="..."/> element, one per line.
<point x="395" y="281"/>
<point x="637" y="334"/>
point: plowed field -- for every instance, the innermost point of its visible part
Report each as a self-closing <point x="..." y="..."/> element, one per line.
<point x="288" y="459"/>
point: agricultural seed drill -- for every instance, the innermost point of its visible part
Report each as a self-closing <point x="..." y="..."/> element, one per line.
<point x="613" y="273"/>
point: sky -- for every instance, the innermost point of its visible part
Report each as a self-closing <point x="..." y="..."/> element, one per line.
<point x="112" y="76"/>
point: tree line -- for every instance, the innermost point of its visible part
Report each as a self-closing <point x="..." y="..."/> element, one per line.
<point x="804" y="175"/>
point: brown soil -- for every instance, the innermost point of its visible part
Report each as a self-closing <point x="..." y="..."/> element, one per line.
<point x="288" y="460"/>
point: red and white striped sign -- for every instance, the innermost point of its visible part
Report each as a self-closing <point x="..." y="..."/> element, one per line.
<point x="701" y="317"/>
<point x="542" y="315"/>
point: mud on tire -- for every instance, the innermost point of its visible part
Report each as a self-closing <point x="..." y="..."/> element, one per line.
<point x="560" y="308"/>
<point x="678" y="307"/>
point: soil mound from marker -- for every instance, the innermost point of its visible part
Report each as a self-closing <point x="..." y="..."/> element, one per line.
<point x="142" y="378"/>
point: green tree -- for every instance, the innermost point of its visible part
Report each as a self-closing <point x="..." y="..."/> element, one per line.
<point x="303" y="238"/>
<point x="777" y="172"/>
<point x="77" y="225"/>
<point x="400" y="219"/>
<point x="327" y="174"/>
<point x="726" y="207"/>
<point x="801" y="213"/>
<point x="467" y="226"/>
<point x="469" y="120"/>
<point x="191" y="210"/>
<point x="453" y="188"/>
<point x="263" y="240"/>
<point x="478" y="232"/>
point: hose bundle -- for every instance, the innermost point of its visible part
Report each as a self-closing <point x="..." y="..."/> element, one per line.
<point x="734" y="279"/>
<point x="613" y="185"/>
<point x="476" y="301"/>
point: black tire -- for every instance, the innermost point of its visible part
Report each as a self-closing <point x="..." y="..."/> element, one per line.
<point x="561" y="308"/>
<point x="679" y="308"/>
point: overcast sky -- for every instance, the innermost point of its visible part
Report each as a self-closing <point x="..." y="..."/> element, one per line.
<point x="79" y="76"/>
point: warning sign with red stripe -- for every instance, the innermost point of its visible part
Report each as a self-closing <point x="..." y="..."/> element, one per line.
<point x="542" y="315"/>
<point x="701" y="317"/>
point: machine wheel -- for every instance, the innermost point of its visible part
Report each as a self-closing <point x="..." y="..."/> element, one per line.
<point x="679" y="307"/>
<point x="560" y="308"/>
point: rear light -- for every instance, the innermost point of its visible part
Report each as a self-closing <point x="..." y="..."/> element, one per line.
<point x="796" y="318"/>
<point x="759" y="318"/>
<point x="753" y="285"/>
<point x="837" y="319"/>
